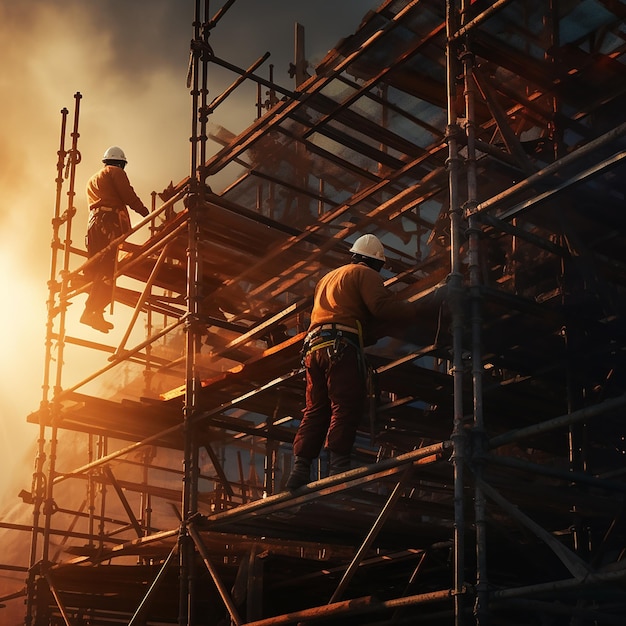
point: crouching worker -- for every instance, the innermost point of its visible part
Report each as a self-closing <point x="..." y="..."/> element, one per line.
<point x="109" y="192"/>
<point x="347" y="301"/>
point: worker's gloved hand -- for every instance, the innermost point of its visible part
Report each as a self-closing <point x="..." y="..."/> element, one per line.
<point x="143" y="212"/>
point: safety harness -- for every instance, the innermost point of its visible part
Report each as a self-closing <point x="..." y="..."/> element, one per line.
<point x="334" y="338"/>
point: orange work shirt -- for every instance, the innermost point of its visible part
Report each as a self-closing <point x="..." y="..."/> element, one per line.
<point x="111" y="188"/>
<point x="357" y="292"/>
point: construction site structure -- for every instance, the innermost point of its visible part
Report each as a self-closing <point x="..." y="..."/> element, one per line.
<point x="483" y="142"/>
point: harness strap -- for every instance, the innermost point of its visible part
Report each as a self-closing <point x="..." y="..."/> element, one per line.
<point x="334" y="339"/>
<point x="318" y="346"/>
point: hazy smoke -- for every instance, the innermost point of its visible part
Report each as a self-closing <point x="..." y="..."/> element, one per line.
<point x="129" y="61"/>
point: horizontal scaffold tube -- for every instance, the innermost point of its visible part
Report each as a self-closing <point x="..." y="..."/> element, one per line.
<point x="351" y="607"/>
<point x="558" y="422"/>
<point x="561" y="585"/>
<point x="552" y="169"/>
<point x="331" y="484"/>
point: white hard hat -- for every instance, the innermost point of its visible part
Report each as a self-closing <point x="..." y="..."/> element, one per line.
<point x="114" y="154"/>
<point x="369" y="246"/>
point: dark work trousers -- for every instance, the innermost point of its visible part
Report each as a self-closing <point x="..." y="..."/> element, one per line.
<point x="335" y="400"/>
<point x="104" y="226"/>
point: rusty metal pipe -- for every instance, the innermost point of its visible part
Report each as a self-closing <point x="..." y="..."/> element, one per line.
<point x="332" y="484"/>
<point x="357" y="606"/>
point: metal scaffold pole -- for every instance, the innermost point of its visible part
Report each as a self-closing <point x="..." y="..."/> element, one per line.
<point x="38" y="483"/>
<point x="474" y="260"/>
<point x="74" y="159"/>
<point x="198" y="78"/>
<point x="42" y="484"/>
<point x="456" y="294"/>
<point x="55" y="245"/>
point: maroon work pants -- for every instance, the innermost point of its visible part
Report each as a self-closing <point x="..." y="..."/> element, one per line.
<point x="104" y="226"/>
<point x="335" y="400"/>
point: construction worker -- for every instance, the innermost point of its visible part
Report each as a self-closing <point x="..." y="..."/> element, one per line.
<point x="109" y="192"/>
<point x="347" y="302"/>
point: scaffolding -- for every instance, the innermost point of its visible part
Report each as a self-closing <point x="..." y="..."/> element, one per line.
<point x="484" y="143"/>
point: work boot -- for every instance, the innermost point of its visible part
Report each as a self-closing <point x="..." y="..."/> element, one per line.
<point x="339" y="463"/>
<point x="300" y="473"/>
<point x="95" y="320"/>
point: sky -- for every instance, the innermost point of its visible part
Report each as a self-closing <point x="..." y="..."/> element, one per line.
<point x="128" y="59"/>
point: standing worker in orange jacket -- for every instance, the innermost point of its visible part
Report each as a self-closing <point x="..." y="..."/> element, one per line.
<point x="348" y="300"/>
<point x="109" y="192"/>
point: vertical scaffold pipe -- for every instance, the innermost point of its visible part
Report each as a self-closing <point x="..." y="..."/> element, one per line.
<point x="194" y="58"/>
<point x="455" y="290"/>
<point x="55" y="246"/>
<point x="190" y="459"/>
<point x="474" y="235"/>
<point x="73" y="160"/>
<point x="38" y="483"/>
<point x="203" y="109"/>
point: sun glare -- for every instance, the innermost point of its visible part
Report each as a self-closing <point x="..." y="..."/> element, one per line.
<point x="22" y="332"/>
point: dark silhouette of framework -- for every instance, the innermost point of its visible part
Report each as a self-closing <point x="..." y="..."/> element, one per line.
<point x="484" y="143"/>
